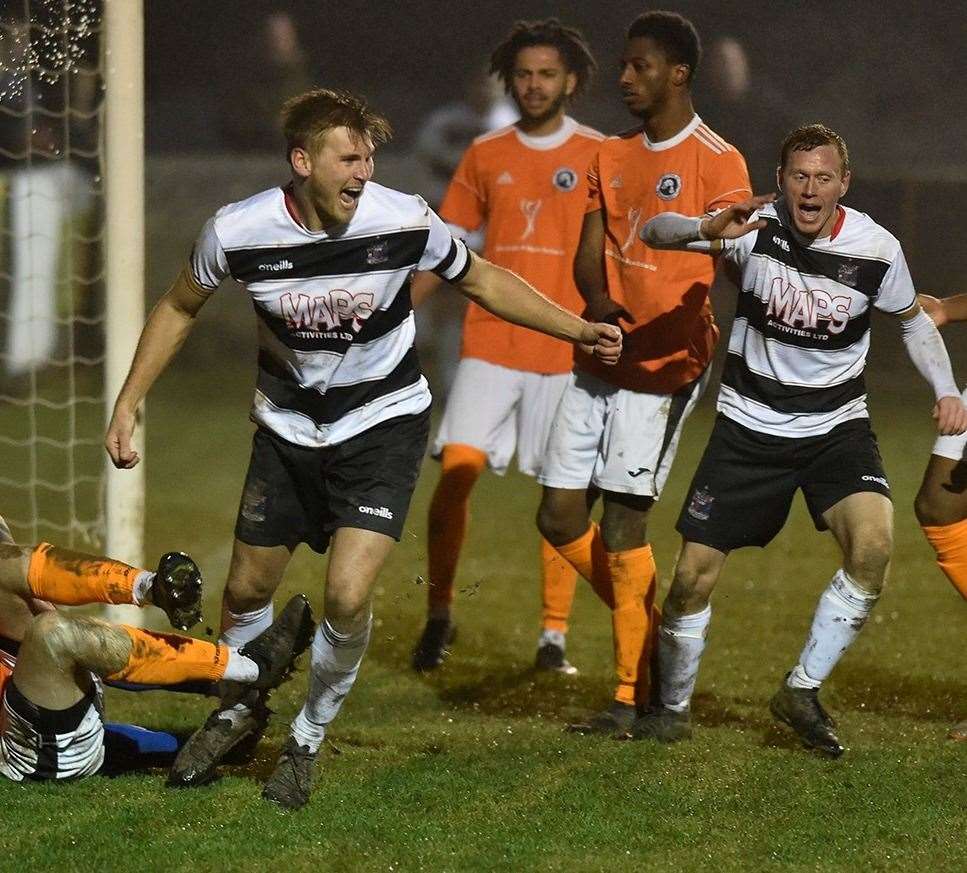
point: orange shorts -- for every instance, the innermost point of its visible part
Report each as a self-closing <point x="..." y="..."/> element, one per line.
<point x="5" y="674"/>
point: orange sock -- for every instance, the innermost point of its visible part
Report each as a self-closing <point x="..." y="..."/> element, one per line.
<point x="449" y="513"/>
<point x="587" y="555"/>
<point x="169" y="659"/>
<point x="558" y="580"/>
<point x="73" y="579"/>
<point x="950" y="543"/>
<point x="633" y="578"/>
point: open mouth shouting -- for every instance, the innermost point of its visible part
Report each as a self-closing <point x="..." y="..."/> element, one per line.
<point x="349" y="196"/>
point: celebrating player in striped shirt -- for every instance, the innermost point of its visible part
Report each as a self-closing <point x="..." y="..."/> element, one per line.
<point x="792" y="415"/>
<point x="341" y="406"/>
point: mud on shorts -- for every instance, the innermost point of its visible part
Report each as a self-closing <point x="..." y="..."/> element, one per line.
<point x="295" y="494"/>
<point x="743" y="488"/>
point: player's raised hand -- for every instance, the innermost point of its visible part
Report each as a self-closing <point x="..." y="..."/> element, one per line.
<point x="951" y="416"/>
<point x="603" y="341"/>
<point x="934" y="308"/>
<point x="733" y="222"/>
<point x="118" y="440"/>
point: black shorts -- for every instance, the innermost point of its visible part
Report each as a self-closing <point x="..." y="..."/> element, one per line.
<point x="743" y="489"/>
<point x="295" y="494"/>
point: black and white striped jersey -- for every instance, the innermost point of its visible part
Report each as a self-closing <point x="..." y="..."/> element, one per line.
<point x="802" y="328"/>
<point x="335" y="322"/>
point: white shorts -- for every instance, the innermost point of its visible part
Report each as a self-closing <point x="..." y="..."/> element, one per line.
<point x="497" y="410"/>
<point x="38" y="743"/>
<point x="618" y="440"/>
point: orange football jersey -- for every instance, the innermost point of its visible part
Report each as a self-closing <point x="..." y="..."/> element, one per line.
<point x="530" y="194"/>
<point x="631" y="180"/>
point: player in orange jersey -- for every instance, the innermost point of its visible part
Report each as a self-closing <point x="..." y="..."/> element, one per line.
<point x="50" y="662"/>
<point x="941" y="503"/>
<point x="527" y="185"/>
<point x="618" y="431"/>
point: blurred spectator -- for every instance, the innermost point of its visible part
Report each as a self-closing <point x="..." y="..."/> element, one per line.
<point x="446" y="132"/>
<point x="47" y="162"/>
<point x="746" y="109"/>
<point x="253" y="89"/>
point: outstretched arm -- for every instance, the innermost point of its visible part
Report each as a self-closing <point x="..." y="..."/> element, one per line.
<point x="704" y="233"/>
<point x="944" y="310"/>
<point x="165" y="331"/>
<point x="508" y="296"/>
<point x="929" y="354"/>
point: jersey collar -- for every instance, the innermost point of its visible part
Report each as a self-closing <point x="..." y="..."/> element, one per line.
<point x="677" y="139"/>
<point x="552" y="140"/>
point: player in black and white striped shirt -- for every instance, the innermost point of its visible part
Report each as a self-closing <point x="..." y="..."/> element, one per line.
<point x="341" y="406"/>
<point x="792" y="415"/>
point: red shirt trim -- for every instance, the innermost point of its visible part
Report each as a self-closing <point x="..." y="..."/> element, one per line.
<point x="292" y="207"/>
<point x="839" y="222"/>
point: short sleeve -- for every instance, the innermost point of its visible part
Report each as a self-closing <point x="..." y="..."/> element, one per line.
<point x="207" y="263"/>
<point x="594" y="186"/>
<point x="896" y="293"/>
<point x="446" y="256"/>
<point x="725" y="181"/>
<point x="465" y="204"/>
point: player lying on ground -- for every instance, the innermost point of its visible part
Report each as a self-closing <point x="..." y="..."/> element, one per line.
<point x="941" y="503"/>
<point x="526" y="185"/>
<point x="792" y="414"/>
<point x="51" y="709"/>
<point x="341" y="405"/>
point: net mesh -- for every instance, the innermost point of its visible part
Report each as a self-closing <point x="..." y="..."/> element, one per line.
<point x="51" y="271"/>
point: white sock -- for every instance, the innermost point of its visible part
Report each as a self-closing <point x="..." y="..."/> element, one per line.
<point x="142" y="587"/>
<point x="240" y="668"/>
<point x="240" y="628"/>
<point x="681" y="641"/>
<point x="335" y="662"/>
<point x="555" y="638"/>
<point x="840" y="615"/>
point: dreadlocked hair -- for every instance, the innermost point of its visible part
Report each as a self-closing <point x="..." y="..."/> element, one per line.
<point x="569" y="42"/>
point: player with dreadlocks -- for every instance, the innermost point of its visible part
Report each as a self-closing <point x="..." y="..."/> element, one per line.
<point x="526" y="185"/>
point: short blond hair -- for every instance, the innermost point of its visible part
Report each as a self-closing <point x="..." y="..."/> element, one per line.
<point x="308" y="116"/>
<point x="810" y="136"/>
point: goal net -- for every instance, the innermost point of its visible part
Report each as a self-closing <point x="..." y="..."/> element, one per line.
<point x="52" y="255"/>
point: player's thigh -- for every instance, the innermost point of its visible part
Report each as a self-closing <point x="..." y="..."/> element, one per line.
<point x="842" y="463"/>
<point x="942" y="498"/>
<point x="481" y="411"/>
<point x="540" y="398"/>
<point x="742" y="490"/>
<point x="576" y="434"/>
<point x="355" y="558"/>
<point x="369" y="479"/>
<point x="641" y="438"/>
<point x="47" y="671"/>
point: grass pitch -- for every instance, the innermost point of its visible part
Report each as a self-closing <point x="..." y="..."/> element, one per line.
<point x="469" y="769"/>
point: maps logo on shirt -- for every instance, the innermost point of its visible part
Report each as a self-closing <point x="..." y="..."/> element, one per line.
<point x="565" y="179"/>
<point x="799" y="312"/>
<point x="669" y="186"/>
<point x="313" y="317"/>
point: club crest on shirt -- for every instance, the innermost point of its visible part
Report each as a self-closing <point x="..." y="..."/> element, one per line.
<point x="377" y="253"/>
<point x="847" y="274"/>
<point x="565" y="179"/>
<point x="669" y="186"/>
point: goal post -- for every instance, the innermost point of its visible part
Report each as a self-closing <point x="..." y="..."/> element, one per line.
<point x="123" y="171"/>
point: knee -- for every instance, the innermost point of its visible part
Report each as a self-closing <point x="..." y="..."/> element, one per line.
<point x="930" y="512"/>
<point x="690" y="590"/>
<point x="558" y="525"/>
<point x="348" y="607"/>
<point x="868" y="559"/>
<point x="51" y="633"/>
<point x="620" y="534"/>
<point x="245" y="593"/>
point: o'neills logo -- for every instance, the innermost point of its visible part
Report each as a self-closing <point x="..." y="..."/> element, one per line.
<point x="277" y="267"/>
<point x="380" y="511"/>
